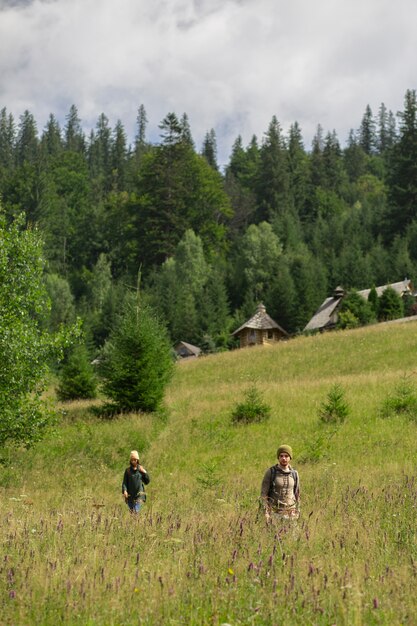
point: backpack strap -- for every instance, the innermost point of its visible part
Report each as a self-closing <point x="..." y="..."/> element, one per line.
<point x="273" y="471"/>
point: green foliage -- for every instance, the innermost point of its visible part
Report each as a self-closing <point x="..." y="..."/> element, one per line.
<point x="136" y="361"/>
<point x="347" y="319"/>
<point x="374" y="301"/>
<point x="403" y="400"/>
<point x="209" y="477"/>
<point x="77" y="379"/>
<point x="351" y="558"/>
<point x="252" y="409"/>
<point x="338" y="216"/>
<point x="62" y="302"/>
<point x="335" y="409"/>
<point x="178" y="190"/>
<point x="26" y="348"/>
<point x="391" y="306"/>
<point x="359" y="309"/>
<point x="319" y="446"/>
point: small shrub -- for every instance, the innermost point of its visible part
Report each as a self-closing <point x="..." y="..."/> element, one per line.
<point x="403" y="401"/>
<point x="317" y="448"/>
<point x="335" y="408"/>
<point x="347" y="320"/>
<point x="252" y="409"/>
<point x="209" y="478"/>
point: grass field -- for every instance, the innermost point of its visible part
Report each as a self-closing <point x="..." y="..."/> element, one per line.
<point x="200" y="553"/>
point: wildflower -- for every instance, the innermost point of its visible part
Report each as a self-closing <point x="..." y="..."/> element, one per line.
<point x="230" y="571"/>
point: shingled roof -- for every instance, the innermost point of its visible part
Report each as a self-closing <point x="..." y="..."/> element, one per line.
<point x="323" y="316"/>
<point x="402" y="287"/>
<point x="187" y="349"/>
<point x="326" y="314"/>
<point x="261" y="321"/>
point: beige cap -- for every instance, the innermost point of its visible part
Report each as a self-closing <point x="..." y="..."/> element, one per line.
<point x="134" y="455"/>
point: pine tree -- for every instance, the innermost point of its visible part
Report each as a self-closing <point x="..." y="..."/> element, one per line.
<point x="51" y="141"/>
<point x="76" y="378"/>
<point x="367" y="136"/>
<point x="119" y="156"/>
<point x="298" y="169"/>
<point x="390" y="305"/>
<point x="273" y="177"/>
<point x="74" y="137"/>
<point x="7" y="141"/>
<point x="374" y="300"/>
<point x="402" y="172"/>
<point x="333" y="170"/>
<point x="354" y="157"/>
<point x="27" y="139"/>
<point x="177" y="190"/>
<point x="209" y="150"/>
<point x="136" y="361"/>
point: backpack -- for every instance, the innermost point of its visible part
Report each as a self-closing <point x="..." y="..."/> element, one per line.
<point x="142" y="493"/>
<point x="273" y="471"/>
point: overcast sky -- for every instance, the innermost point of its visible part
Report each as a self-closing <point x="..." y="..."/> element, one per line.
<point x="229" y="64"/>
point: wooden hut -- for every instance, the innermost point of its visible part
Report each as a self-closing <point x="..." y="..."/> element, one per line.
<point x="260" y="330"/>
<point x="186" y="350"/>
<point x="327" y="315"/>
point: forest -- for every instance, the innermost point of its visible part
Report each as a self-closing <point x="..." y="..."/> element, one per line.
<point x="282" y="223"/>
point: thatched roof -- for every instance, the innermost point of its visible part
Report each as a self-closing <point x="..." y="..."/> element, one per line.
<point x="261" y="321"/>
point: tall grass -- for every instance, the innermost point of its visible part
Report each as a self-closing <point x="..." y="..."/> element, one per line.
<point x="200" y="553"/>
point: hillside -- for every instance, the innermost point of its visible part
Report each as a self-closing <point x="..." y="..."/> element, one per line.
<point x="200" y="553"/>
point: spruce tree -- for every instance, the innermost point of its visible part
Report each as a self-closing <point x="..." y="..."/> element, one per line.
<point x="77" y="380"/>
<point x="390" y="305"/>
<point x="402" y="171"/>
<point x="136" y="362"/>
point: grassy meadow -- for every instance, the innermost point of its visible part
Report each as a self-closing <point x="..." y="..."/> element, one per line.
<point x="200" y="553"/>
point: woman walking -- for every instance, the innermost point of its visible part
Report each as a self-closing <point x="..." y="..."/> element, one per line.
<point x="134" y="479"/>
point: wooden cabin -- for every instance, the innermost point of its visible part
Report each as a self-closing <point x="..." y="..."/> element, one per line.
<point x="260" y="329"/>
<point x="327" y="315"/>
<point x="186" y="350"/>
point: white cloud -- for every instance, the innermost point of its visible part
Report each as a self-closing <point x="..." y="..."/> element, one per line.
<point x="230" y="64"/>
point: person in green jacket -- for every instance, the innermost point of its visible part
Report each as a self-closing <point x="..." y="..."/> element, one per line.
<point x="134" y="479"/>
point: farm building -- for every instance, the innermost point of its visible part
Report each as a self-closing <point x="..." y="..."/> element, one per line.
<point x="260" y="330"/>
<point x="186" y="350"/>
<point x="326" y="316"/>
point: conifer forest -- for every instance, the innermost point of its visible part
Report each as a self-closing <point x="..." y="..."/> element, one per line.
<point x="281" y="223"/>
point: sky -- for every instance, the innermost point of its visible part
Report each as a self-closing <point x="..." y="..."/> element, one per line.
<point x="229" y="64"/>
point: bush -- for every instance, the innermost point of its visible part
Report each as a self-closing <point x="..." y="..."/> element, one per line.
<point x="253" y="409"/>
<point x="347" y="320"/>
<point x="402" y="402"/>
<point x="360" y="309"/>
<point x="318" y="447"/>
<point x="334" y="409"/>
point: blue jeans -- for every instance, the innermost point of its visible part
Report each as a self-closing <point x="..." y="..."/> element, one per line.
<point x="134" y="505"/>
